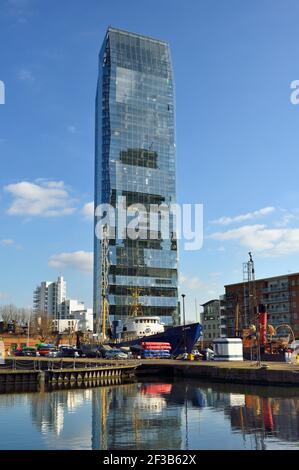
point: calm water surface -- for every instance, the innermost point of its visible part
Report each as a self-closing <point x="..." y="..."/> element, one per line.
<point x="152" y="415"/>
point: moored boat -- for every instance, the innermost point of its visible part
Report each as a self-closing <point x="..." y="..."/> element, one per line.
<point x="176" y="336"/>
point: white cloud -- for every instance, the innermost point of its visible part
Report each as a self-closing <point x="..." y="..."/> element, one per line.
<point x="215" y="274"/>
<point x="6" y="241"/>
<point x="72" y="129"/>
<point x="25" y="75"/>
<point x="287" y="216"/>
<point x="3" y="296"/>
<point x="41" y="198"/>
<point x="191" y="282"/>
<point x="20" y="10"/>
<point x="88" y="210"/>
<point x="10" y="242"/>
<point x="203" y="288"/>
<point x="260" y="238"/>
<point x="243" y="217"/>
<point x="79" y="260"/>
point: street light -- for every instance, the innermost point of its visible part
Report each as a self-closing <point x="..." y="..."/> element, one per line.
<point x="28" y="329"/>
<point x="184" y="321"/>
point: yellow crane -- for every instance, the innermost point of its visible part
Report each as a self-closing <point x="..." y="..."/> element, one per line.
<point x="104" y="321"/>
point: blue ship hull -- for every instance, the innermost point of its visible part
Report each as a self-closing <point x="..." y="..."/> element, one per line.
<point x="175" y="336"/>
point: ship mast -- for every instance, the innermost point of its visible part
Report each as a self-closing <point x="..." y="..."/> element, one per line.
<point x="136" y="308"/>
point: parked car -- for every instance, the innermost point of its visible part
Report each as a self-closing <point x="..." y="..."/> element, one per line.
<point x="69" y="351"/>
<point x="44" y="349"/>
<point x="18" y="352"/>
<point x="115" y="354"/>
<point x="29" y="352"/>
<point x="25" y="351"/>
<point x="90" y="350"/>
<point x="53" y="353"/>
<point x="44" y="352"/>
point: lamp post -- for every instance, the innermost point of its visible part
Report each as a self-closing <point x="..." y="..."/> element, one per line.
<point x="28" y="329"/>
<point x="184" y="321"/>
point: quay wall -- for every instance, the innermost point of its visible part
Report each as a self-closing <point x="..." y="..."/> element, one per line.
<point x="69" y="370"/>
<point x="241" y="373"/>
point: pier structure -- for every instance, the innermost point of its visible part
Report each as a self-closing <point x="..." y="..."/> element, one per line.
<point x="44" y="372"/>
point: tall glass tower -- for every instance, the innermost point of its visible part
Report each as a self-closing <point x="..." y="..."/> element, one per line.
<point x="135" y="159"/>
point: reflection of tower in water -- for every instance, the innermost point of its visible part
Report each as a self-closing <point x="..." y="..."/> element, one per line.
<point x="134" y="416"/>
<point x="48" y="409"/>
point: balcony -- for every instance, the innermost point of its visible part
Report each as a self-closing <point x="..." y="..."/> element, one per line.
<point x="278" y="311"/>
<point x="268" y="290"/>
<point x="273" y="300"/>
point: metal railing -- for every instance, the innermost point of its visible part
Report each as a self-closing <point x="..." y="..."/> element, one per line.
<point x="33" y="364"/>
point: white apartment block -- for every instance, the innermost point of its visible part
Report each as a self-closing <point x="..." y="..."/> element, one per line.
<point x="48" y="297"/>
<point x="80" y="320"/>
<point x="68" y="314"/>
<point x="85" y="319"/>
<point x="71" y="305"/>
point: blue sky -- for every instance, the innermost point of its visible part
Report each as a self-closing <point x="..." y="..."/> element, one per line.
<point x="237" y="135"/>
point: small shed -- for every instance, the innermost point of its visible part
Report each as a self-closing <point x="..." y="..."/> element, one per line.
<point x="228" y="349"/>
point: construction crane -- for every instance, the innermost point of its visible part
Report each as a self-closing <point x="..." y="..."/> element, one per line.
<point x="104" y="321"/>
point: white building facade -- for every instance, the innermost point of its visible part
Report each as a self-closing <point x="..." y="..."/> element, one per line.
<point x="80" y="320"/>
<point x="48" y="297"/>
<point x="69" y="315"/>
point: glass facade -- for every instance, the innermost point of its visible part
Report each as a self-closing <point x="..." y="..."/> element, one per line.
<point x="135" y="159"/>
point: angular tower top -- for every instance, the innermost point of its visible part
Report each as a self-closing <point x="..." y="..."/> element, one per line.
<point x="135" y="35"/>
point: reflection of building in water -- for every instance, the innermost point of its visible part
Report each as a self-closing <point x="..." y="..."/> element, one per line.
<point x="48" y="409"/>
<point x="134" y="416"/>
<point x="273" y="417"/>
<point x="259" y="417"/>
<point x="47" y="412"/>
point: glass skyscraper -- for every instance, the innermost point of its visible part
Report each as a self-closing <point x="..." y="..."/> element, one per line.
<point x="135" y="159"/>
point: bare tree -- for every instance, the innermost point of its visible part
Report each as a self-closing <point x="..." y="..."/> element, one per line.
<point x="24" y="314"/>
<point x="42" y="326"/>
<point x="9" y="313"/>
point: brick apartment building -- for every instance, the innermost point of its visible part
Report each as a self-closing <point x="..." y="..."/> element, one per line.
<point x="280" y="295"/>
